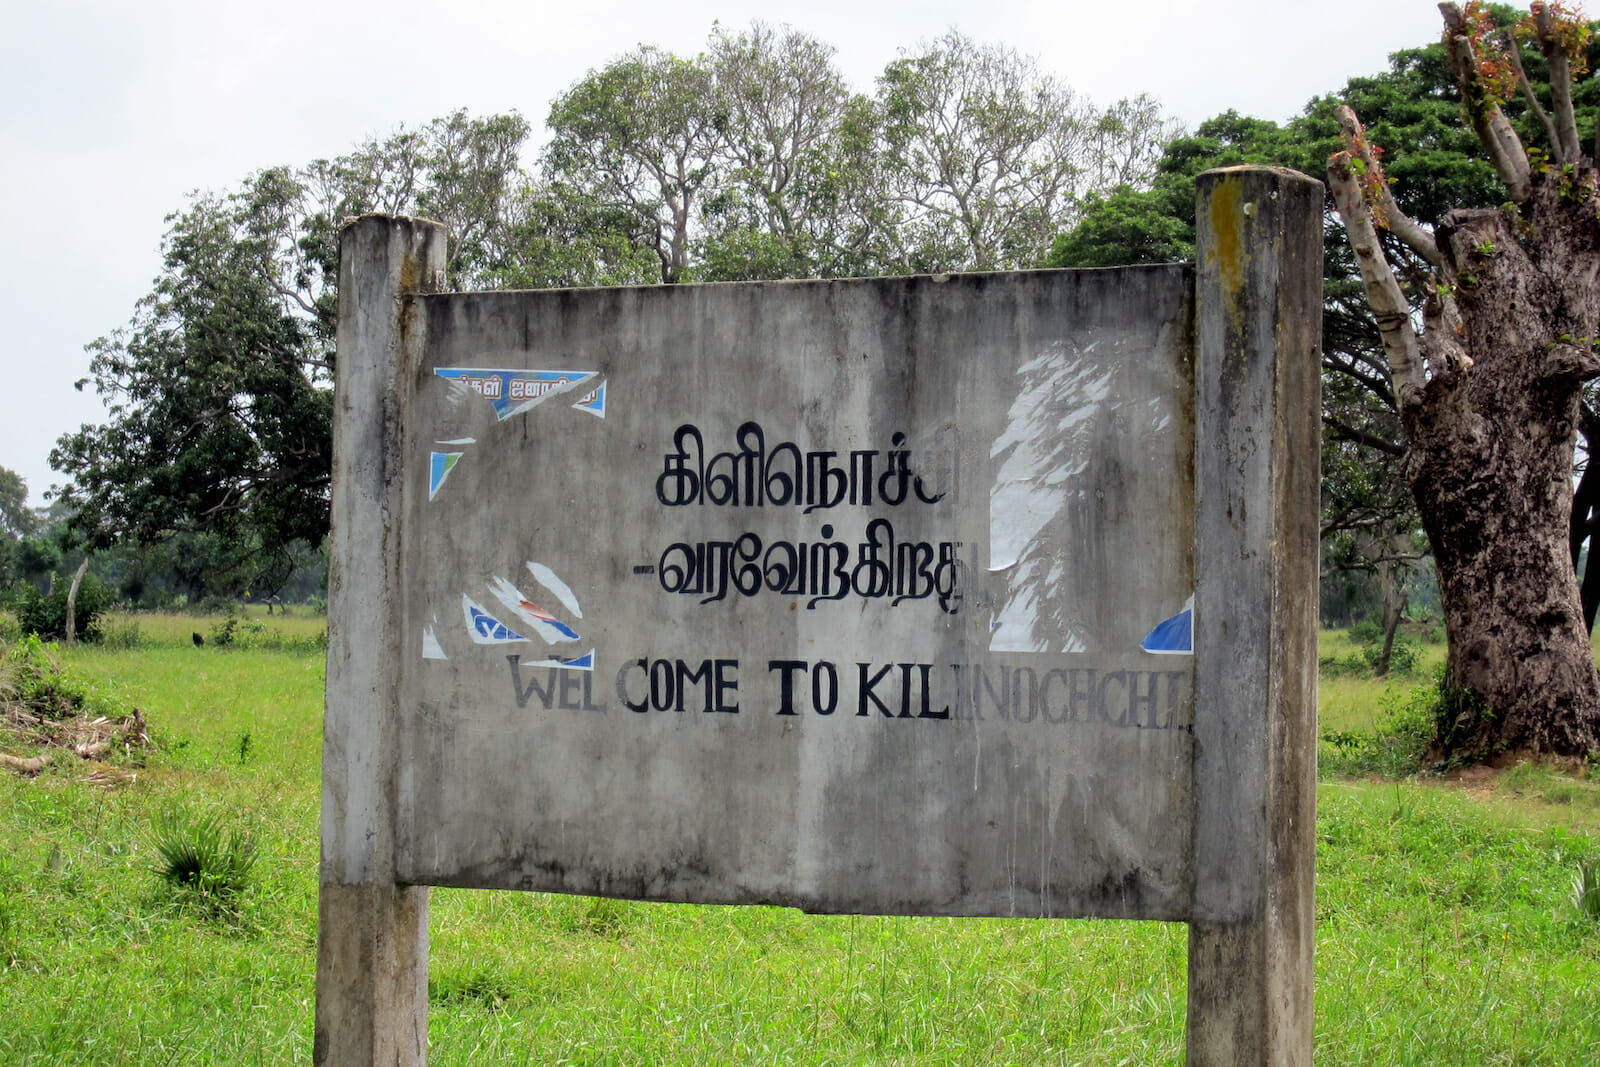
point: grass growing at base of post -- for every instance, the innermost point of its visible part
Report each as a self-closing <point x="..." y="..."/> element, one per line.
<point x="1447" y="930"/>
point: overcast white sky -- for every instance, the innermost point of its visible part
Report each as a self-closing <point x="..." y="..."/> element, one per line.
<point x="114" y="111"/>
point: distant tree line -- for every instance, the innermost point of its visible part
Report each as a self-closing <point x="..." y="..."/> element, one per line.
<point x="39" y="557"/>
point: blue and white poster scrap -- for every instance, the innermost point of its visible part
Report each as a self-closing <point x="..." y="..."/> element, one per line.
<point x="1174" y="636"/>
<point x="514" y="391"/>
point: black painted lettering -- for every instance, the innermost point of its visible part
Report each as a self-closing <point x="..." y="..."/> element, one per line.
<point x="925" y="670"/>
<point x="681" y="472"/>
<point x="981" y="685"/>
<point x="622" y="685"/>
<point x="865" y="692"/>
<point x="822" y="702"/>
<point x="1081" y="699"/>
<point x="786" y="682"/>
<point x="685" y="677"/>
<point x="1146" y="700"/>
<point x="726" y="684"/>
<point x="1024" y="694"/>
<point x="784" y="487"/>
<point x="963" y="709"/>
<point x="1103" y="698"/>
<point x="663" y="692"/>
<point x="571" y="696"/>
<point x="588" y="693"/>
<point x="861" y="476"/>
<point x="905" y="689"/>
<point x="1044" y="696"/>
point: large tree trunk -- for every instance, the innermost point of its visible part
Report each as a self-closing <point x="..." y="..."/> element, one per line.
<point x="1489" y="395"/>
<point x="1490" y="461"/>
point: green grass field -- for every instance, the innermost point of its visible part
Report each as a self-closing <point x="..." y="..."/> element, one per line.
<point x="1446" y="933"/>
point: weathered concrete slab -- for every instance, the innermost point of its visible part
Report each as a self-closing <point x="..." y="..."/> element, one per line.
<point x="372" y="932"/>
<point x="1259" y="295"/>
<point x="855" y="575"/>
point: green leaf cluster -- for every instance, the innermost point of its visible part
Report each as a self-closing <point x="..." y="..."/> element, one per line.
<point x="750" y="160"/>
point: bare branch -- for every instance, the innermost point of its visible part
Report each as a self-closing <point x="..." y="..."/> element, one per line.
<point x="1376" y="384"/>
<point x="1555" y="56"/>
<point x="1388" y="213"/>
<point x="1344" y="432"/>
<point x="1389" y="305"/>
<point x="1514" y="54"/>
<point x="1494" y="131"/>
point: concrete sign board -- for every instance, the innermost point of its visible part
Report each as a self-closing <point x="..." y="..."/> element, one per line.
<point x="952" y="595"/>
<point x="827" y="594"/>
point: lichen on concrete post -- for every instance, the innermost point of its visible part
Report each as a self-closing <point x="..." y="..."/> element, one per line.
<point x="1258" y="309"/>
<point x="372" y="939"/>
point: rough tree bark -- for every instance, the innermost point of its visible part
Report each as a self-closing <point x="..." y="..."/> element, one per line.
<point x="1489" y="399"/>
<point x="1586" y="517"/>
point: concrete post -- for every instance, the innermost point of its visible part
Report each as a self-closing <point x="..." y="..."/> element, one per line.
<point x="1258" y="420"/>
<point x="372" y="939"/>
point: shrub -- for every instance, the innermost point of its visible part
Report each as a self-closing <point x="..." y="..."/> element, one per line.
<point x="1394" y="747"/>
<point x="47" y="615"/>
<point x="30" y="677"/>
<point x="261" y="636"/>
<point x="224" y="633"/>
<point x="1366" y="631"/>
<point x="1352" y="664"/>
<point x="1403" y="655"/>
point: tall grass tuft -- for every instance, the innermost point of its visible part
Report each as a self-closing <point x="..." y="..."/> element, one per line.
<point x="120" y="632"/>
<point x="201" y="860"/>
<point x="1586" y="889"/>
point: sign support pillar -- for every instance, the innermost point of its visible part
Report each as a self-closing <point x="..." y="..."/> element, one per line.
<point x="1257" y="466"/>
<point x="372" y="942"/>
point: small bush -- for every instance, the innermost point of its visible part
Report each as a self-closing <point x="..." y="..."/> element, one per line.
<point x="1350" y="665"/>
<point x="47" y="615"/>
<point x="31" y="677"/>
<point x="201" y="861"/>
<point x="226" y="632"/>
<point x="1394" y="747"/>
<point x="1403" y="655"/>
<point x="1366" y="631"/>
<point x="261" y="636"/>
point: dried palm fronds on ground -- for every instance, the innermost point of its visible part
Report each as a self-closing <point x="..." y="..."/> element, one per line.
<point x="40" y="707"/>
<point x="88" y="738"/>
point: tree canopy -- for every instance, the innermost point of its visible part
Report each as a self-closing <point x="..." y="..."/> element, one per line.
<point x="752" y="159"/>
<point x="1434" y="163"/>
